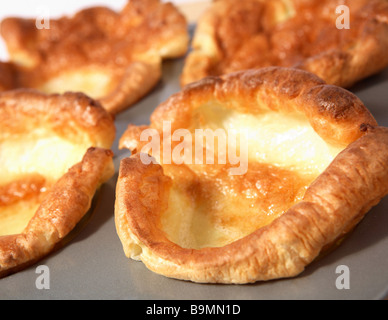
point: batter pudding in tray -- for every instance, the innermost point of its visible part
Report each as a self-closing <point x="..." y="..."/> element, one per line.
<point x="114" y="57"/>
<point x="310" y="35"/>
<point x="54" y="155"/>
<point x="316" y="164"/>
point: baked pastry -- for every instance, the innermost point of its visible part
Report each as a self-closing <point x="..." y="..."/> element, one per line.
<point x="54" y="155"/>
<point x="238" y="35"/>
<point x="114" y="57"/>
<point x="310" y="176"/>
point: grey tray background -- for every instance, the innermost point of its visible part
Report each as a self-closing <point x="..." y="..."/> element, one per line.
<point x="93" y="265"/>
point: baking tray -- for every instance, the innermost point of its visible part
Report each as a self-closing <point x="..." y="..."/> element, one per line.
<point x="93" y="264"/>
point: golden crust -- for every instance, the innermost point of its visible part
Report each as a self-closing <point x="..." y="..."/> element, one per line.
<point x="54" y="157"/>
<point x="234" y="36"/>
<point x="333" y="202"/>
<point x="114" y="57"/>
<point x="70" y="115"/>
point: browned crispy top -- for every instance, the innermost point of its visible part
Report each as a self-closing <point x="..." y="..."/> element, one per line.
<point x="97" y="34"/>
<point x="125" y="48"/>
<point x="249" y="37"/>
<point x="255" y="33"/>
<point x="68" y="115"/>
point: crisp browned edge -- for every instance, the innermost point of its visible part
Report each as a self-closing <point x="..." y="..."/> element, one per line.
<point x="71" y="112"/>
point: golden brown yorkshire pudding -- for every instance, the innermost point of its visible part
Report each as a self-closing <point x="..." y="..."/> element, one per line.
<point x="54" y="154"/>
<point x="237" y="35"/>
<point x="315" y="164"/>
<point x="114" y="57"/>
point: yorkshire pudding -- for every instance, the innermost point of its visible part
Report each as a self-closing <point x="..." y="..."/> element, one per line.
<point x="238" y="35"/>
<point x="114" y="57"/>
<point x="315" y="164"/>
<point x="54" y="154"/>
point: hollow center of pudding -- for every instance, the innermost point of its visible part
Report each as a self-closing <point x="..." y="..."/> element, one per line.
<point x="30" y="163"/>
<point x="19" y="200"/>
<point x="211" y="206"/>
